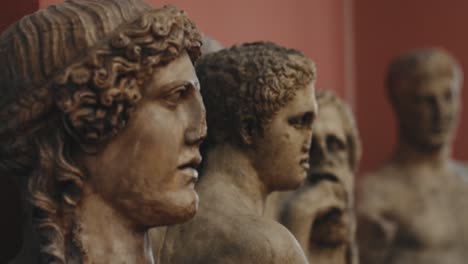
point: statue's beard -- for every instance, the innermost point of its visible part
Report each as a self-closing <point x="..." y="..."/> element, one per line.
<point x="331" y="228"/>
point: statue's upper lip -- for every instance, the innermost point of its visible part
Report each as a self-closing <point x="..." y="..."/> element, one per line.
<point x="193" y="162"/>
<point x="304" y="160"/>
<point x="321" y="174"/>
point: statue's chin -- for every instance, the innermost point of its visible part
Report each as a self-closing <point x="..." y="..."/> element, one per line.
<point x="182" y="210"/>
<point x="183" y="214"/>
<point x="430" y="142"/>
<point x="171" y="209"/>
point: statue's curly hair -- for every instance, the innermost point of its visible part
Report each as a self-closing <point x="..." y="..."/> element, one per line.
<point x="78" y="99"/>
<point x="327" y="97"/>
<point x="244" y="86"/>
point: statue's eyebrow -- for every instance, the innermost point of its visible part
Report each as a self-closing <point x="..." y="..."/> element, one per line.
<point x="179" y="83"/>
<point x="151" y="91"/>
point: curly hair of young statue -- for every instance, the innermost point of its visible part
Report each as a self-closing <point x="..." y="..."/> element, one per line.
<point x="84" y="106"/>
<point x="268" y="76"/>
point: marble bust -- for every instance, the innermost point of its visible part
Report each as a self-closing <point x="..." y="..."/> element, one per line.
<point x="101" y="119"/>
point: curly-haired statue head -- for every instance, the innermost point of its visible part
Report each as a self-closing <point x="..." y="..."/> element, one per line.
<point x="424" y="87"/>
<point x="101" y="118"/>
<point x="247" y="85"/>
<point x="260" y="102"/>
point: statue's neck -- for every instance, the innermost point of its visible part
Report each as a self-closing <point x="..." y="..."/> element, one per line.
<point x="409" y="155"/>
<point x="230" y="176"/>
<point x="100" y="235"/>
<point x="108" y="237"/>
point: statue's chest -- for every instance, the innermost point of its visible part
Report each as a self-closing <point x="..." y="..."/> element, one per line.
<point x="433" y="214"/>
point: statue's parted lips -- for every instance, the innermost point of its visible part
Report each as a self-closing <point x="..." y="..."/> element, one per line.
<point x="190" y="167"/>
<point x="316" y="176"/>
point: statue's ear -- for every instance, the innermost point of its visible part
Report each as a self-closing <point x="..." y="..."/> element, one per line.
<point x="248" y="131"/>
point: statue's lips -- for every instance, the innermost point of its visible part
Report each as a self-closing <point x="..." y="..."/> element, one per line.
<point x="305" y="163"/>
<point x="191" y="174"/>
<point x="189" y="169"/>
<point x="316" y="176"/>
<point x="440" y="127"/>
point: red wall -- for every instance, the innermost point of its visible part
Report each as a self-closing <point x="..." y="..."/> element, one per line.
<point x="14" y="10"/>
<point x="384" y="29"/>
<point x="313" y="26"/>
<point x="299" y="24"/>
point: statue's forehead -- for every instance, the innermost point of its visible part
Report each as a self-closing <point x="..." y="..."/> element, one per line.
<point x="426" y="85"/>
<point x="329" y="120"/>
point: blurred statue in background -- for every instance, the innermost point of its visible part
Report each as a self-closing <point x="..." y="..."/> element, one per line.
<point x="415" y="208"/>
<point x="320" y="214"/>
<point x="260" y="103"/>
<point x="101" y="119"/>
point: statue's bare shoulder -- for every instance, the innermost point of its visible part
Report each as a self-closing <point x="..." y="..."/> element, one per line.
<point x="379" y="190"/>
<point x="231" y="239"/>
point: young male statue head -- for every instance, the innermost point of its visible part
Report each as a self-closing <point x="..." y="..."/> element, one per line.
<point x="320" y="214"/>
<point x="424" y="88"/>
<point x="260" y="105"/>
<point x="101" y="118"/>
<point x="412" y="209"/>
<point x="245" y="89"/>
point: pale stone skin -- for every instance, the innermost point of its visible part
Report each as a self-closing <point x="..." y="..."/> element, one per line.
<point x="320" y="214"/>
<point x="157" y="234"/>
<point x="415" y="208"/>
<point x="236" y="179"/>
<point x="415" y="214"/>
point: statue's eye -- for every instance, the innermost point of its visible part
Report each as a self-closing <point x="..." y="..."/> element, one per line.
<point x="173" y="97"/>
<point x="302" y="121"/>
<point x="335" y="144"/>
